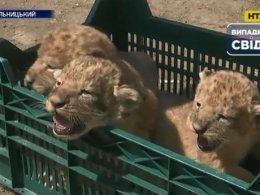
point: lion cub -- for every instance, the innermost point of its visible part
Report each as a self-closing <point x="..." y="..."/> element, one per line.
<point x="219" y="127"/>
<point x="93" y="92"/>
<point x="60" y="46"/>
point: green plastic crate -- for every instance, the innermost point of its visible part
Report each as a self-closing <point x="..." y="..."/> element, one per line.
<point x="34" y="161"/>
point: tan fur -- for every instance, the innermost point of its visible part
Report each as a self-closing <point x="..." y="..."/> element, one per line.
<point x="60" y="46"/>
<point x="112" y="95"/>
<point x="223" y="112"/>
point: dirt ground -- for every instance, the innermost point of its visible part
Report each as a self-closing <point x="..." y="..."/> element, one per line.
<point x="211" y="14"/>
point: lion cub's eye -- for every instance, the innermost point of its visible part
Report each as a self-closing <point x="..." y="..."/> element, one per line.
<point x="58" y="83"/>
<point x="86" y="92"/>
<point x="198" y="105"/>
<point x="222" y="117"/>
<point x="50" y="68"/>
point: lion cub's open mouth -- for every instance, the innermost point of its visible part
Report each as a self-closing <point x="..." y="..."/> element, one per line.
<point x="63" y="126"/>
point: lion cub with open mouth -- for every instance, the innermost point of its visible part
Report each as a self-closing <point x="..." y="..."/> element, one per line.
<point x="219" y="127"/>
<point x="93" y="92"/>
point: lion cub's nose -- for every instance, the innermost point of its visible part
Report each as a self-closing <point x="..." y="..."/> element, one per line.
<point x="199" y="129"/>
<point x="57" y="102"/>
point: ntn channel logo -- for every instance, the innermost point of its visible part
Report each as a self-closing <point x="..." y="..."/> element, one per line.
<point x="252" y="16"/>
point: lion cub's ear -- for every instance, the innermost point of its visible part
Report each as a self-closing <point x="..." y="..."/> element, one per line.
<point x="128" y="99"/>
<point x="205" y="73"/>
